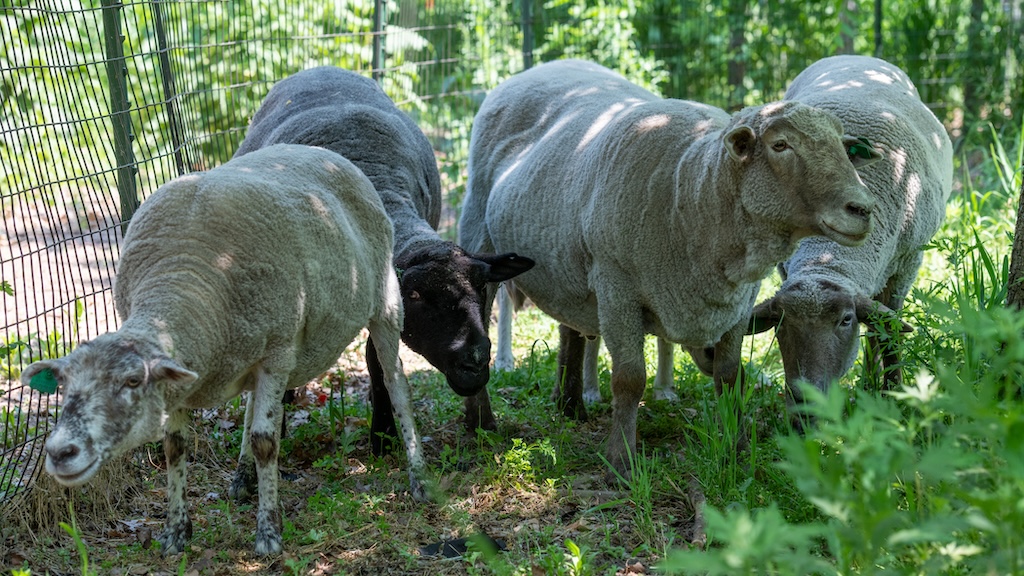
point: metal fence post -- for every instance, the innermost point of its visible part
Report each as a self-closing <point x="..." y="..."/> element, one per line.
<point x="379" y="6"/>
<point x="878" y="28"/>
<point x="121" y="123"/>
<point x="526" y="7"/>
<point x="170" y="93"/>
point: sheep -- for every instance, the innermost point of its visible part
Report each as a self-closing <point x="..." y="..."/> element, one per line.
<point x="649" y="215"/>
<point x="443" y="286"/>
<point x="252" y="276"/>
<point x="829" y="289"/>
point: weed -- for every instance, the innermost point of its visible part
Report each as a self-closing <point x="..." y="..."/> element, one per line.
<point x="83" y="550"/>
<point x="518" y="466"/>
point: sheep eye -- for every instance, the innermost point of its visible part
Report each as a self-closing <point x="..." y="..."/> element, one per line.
<point x="846" y="321"/>
<point x="780" y="145"/>
<point x="414" y="295"/>
<point x="133" y="382"/>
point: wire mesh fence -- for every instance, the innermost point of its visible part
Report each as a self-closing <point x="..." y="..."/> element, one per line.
<point x="103" y="103"/>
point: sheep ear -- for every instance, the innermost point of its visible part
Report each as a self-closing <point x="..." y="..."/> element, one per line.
<point x="878" y="316"/>
<point x="501" y="267"/>
<point x="860" y="151"/>
<point x="763" y="317"/>
<point x="43" y="375"/>
<point x="167" y="370"/>
<point x="740" y="142"/>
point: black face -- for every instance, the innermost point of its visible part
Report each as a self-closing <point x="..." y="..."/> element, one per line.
<point x="444" y="292"/>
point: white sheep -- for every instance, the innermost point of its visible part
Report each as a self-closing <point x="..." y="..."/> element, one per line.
<point x="829" y="289"/>
<point x="443" y="286"/>
<point x="252" y="276"/>
<point x="649" y="215"/>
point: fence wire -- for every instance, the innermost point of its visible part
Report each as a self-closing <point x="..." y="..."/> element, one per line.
<point x="99" y="105"/>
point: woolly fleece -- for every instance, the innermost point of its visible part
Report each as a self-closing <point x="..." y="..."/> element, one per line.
<point x="910" y="185"/>
<point x="349" y="114"/>
<point x="648" y="215"/>
<point x="252" y="276"/>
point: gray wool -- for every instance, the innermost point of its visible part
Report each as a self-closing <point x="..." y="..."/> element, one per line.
<point x="349" y="114"/>
<point x="276" y="259"/>
<point x="911" y="183"/>
<point x="632" y="203"/>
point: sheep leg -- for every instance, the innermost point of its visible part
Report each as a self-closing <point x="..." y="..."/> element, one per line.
<point x="591" y="387"/>
<point x="568" y="391"/>
<point x="178" y="528"/>
<point x="664" y="379"/>
<point x="625" y="343"/>
<point x="385" y="336"/>
<point x="264" y="441"/>
<point x="503" y="359"/>
<point x="244" y="484"/>
<point x="383" y="431"/>
<point x="478" y="413"/>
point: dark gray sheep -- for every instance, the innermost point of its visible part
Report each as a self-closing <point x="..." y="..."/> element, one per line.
<point x="443" y="286"/>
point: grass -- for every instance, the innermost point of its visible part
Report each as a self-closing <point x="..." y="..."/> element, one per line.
<point x="924" y="480"/>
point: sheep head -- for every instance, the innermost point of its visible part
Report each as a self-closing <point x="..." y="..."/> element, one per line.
<point x="817" y="323"/>
<point x="444" y="292"/>
<point x="797" y="170"/>
<point x="114" y="400"/>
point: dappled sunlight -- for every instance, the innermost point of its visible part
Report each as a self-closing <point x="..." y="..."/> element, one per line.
<point x="825" y="257"/>
<point x="320" y="208"/>
<point x="582" y="92"/>
<point x="704" y="126"/>
<point x="898" y="157"/>
<point x="224" y="261"/>
<point x="846" y="86"/>
<point x="600" y="124"/>
<point x="885" y="78"/>
<point x="512" y="168"/>
<point x="912" y="185"/>
<point x="657" y="121"/>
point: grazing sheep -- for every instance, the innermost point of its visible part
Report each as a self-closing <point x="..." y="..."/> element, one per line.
<point x="252" y="276"/>
<point x="649" y="215"/>
<point x="829" y="289"/>
<point x="443" y="286"/>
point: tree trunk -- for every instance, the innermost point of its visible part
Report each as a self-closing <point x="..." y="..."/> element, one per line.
<point x="737" y="60"/>
<point x="1015" y="290"/>
<point x="848" y="20"/>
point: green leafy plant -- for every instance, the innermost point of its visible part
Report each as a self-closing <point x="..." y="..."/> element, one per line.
<point x="83" y="550"/>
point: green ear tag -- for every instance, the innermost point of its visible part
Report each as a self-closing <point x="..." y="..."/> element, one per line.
<point x="862" y="150"/>
<point x="44" y="381"/>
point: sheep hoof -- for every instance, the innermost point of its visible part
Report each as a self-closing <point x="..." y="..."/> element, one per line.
<point x="591" y="396"/>
<point x="172" y="539"/>
<point x="268" y="542"/>
<point x="418" y="489"/>
<point x="666" y="394"/>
